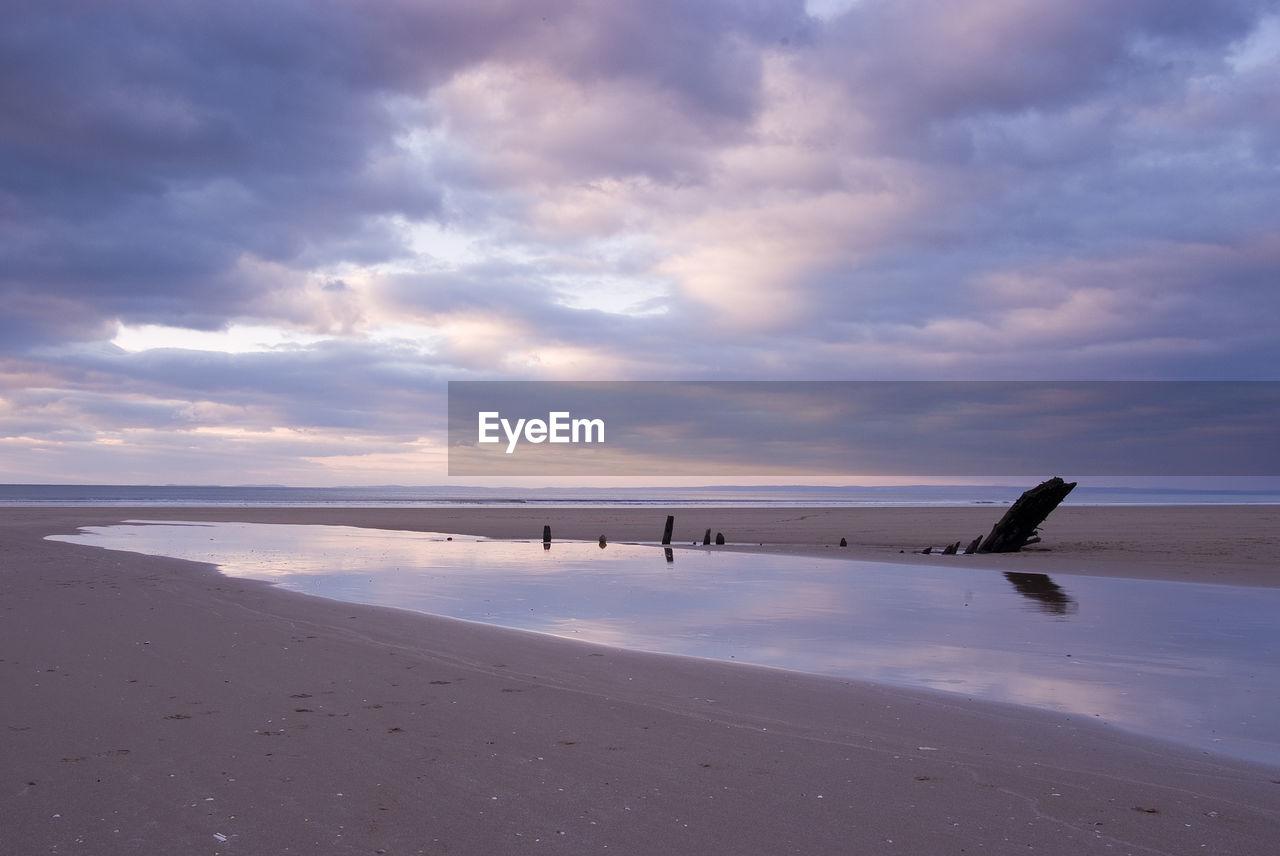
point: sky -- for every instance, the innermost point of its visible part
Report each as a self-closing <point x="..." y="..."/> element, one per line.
<point x="251" y="242"/>
<point x="1178" y="432"/>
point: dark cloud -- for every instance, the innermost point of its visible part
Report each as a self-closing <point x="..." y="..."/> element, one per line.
<point x="146" y="150"/>
<point x="709" y="53"/>
<point x="928" y="61"/>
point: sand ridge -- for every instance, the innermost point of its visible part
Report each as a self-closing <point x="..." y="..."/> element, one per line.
<point x="1226" y="544"/>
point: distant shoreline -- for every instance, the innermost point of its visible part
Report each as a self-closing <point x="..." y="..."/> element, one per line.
<point x="764" y="496"/>
<point x="1231" y="545"/>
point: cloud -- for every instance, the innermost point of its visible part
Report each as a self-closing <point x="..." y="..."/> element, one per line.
<point x="574" y="190"/>
<point x="913" y="63"/>
<point x="875" y="428"/>
<point x="154" y="153"/>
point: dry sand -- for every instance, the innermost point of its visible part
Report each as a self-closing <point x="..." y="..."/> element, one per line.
<point x="154" y="706"/>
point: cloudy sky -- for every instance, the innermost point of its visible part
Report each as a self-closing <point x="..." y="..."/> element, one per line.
<point x="251" y="241"/>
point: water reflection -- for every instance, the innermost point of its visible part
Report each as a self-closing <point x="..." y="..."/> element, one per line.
<point x="1047" y="595"/>
<point x="1195" y="663"/>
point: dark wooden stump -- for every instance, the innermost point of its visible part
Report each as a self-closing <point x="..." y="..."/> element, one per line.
<point x="666" y="532"/>
<point x="720" y="539"/>
<point x="706" y="539"/>
<point x="1018" y="526"/>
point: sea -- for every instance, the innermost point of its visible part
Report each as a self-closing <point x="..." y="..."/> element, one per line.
<point x="440" y="496"/>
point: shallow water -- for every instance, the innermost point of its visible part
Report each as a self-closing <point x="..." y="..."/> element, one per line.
<point x="1193" y="663"/>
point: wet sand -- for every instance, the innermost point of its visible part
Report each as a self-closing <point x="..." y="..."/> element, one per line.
<point x="152" y="705"/>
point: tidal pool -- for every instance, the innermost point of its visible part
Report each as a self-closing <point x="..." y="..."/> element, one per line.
<point x="1193" y="663"/>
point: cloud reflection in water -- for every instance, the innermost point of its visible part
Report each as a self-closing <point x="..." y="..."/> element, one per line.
<point x="1194" y="663"/>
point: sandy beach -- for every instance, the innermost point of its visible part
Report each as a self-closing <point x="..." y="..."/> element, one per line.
<point x="153" y="705"/>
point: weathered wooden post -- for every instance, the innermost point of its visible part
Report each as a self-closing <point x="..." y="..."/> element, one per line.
<point x="719" y="539"/>
<point x="1019" y="523"/>
<point x="666" y="532"/>
<point x="706" y="539"/>
<point x="546" y="537"/>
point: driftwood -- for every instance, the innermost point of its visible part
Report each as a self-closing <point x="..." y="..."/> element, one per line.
<point x="1018" y="526"/>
